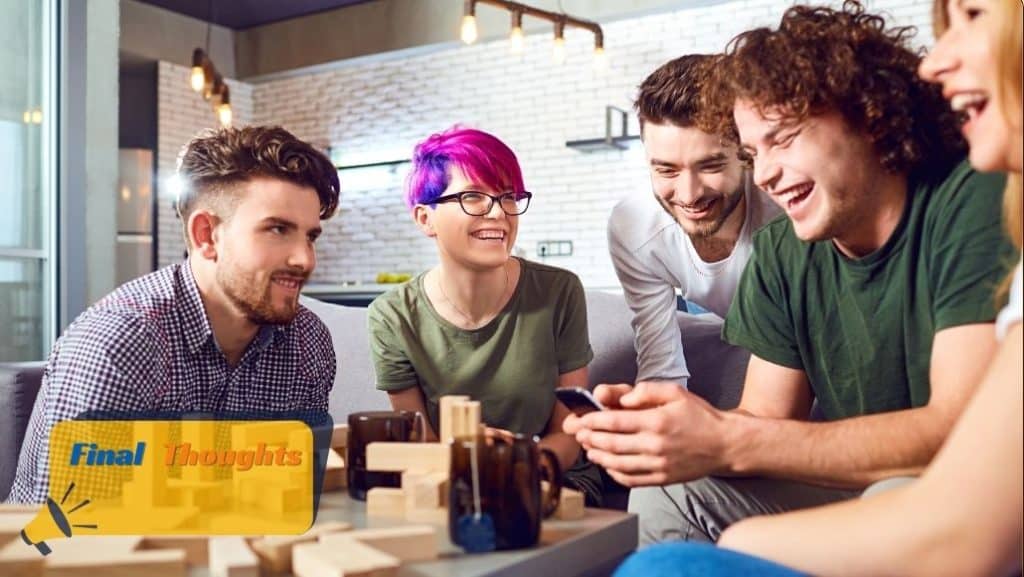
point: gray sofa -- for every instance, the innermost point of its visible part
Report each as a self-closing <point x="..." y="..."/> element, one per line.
<point x="716" y="369"/>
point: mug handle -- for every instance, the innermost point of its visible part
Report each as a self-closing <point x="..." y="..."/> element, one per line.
<point x="551" y="472"/>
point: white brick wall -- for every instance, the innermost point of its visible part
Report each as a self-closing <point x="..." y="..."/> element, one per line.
<point x="377" y="110"/>
<point x="181" y="115"/>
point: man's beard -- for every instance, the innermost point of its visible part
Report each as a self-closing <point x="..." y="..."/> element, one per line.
<point x="708" y="227"/>
<point x="256" y="303"/>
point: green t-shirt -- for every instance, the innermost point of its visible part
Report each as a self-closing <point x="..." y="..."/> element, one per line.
<point x="862" y="330"/>
<point x="511" y="365"/>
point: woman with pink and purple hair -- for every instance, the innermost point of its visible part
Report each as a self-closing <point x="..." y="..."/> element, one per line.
<point x="501" y="329"/>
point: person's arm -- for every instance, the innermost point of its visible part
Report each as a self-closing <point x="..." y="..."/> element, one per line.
<point x="668" y="435"/>
<point x="411" y="399"/>
<point x="104" y="363"/>
<point x="961" y="518"/>
<point x="392" y="367"/>
<point x="858" y="451"/>
<point x="566" y="447"/>
<point x="652" y="300"/>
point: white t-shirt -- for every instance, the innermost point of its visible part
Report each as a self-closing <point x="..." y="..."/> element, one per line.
<point x="1011" y="313"/>
<point x="654" y="257"/>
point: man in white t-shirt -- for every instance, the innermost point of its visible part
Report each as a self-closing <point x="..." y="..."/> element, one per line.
<point x="694" y="233"/>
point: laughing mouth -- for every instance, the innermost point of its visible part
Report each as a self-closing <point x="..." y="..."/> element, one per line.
<point x="292" y="283"/>
<point x="489" y="234"/>
<point x="968" y="105"/>
<point x="794" y="195"/>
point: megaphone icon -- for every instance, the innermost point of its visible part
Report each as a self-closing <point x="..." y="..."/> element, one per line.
<point x="50" y="522"/>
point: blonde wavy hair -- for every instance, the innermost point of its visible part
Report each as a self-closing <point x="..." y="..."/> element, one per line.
<point x="1008" y="44"/>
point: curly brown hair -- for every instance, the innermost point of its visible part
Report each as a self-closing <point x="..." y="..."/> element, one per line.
<point x="847" y="60"/>
<point x="213" y="164"/>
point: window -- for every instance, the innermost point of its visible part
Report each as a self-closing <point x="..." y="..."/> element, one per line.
<point x="27" y="166"/>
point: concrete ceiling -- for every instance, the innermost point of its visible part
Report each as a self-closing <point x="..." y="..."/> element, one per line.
<point x="243" y="14"/>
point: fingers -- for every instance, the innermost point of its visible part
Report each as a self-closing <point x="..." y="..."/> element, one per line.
<point x="649" y="394"/>
<point x="609" y="395"/>
<point x="572" y="424"/>
<point x="619" y="421"/>
<point x="640" y="480"/>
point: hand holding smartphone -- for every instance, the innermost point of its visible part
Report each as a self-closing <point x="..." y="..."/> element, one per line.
<point x="579" y="400"/>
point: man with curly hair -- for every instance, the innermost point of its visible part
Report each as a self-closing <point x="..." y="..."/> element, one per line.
<point x="871" y="299"/>
<point x="222" y="331"/>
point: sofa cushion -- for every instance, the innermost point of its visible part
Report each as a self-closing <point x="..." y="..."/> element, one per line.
<point x="19" y="384"/>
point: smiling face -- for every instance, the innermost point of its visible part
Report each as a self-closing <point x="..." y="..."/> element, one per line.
<point x="697" y="179"/>
<point x="265" y="249"/>
<point x="474" y="242"/>
<point x="819" y="171"/>
<point x="963" y="61"/>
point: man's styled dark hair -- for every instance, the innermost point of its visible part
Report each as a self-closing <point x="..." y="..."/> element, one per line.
<point x="671" y="94"/>
<point x="212" y="166"/>
<point x="844" y="60"/>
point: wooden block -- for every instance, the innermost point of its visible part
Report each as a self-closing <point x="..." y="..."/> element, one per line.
<point x="570" y="505"/>
<point x="275" y="551"/>
<point x="196" y="547"/>
<point x="19" y="560"/>
<point x="447" y="403"/>
<point x="469" y="419"/>
<point x="92" y="546"/>
<point x="436" y="516"/>
<point x="385" y="502"/>
<point x="426" y="457"/>
<point x="20" y="508"/>
<point x="335" y="475"/>
<point x="339" y="437"/>
<point x="425" y="490"/>
<point x="408" y="544"/>
<point x="343" y="559"/>
<point x="232" y="557"/>
<point x="11" y="525"/>
<point x="149" y="563"/>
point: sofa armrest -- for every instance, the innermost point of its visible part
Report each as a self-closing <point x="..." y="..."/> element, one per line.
<point x="19" y="385"/>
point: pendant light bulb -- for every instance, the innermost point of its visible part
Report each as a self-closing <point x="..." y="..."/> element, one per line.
<point x="469" y="33"/>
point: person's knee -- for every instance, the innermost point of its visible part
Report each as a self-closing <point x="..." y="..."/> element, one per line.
<point x="672" y="512"/>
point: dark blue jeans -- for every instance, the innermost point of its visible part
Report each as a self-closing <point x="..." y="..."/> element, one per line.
<point x="697" y="560"/>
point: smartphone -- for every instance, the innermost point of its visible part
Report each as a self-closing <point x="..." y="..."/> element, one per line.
<point x="580" y="401"/>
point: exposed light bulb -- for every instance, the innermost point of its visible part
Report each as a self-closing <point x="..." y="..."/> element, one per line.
<point x="469" y="34"/>
<point x="198" y="78"/>
<point x="600" y="58"/>
<point x="37" y="116"/>
<point x="515" y="39"/>
<point x="224" y="114"/>
<point x="26" y="116"/>
<point x="558" y="51"/>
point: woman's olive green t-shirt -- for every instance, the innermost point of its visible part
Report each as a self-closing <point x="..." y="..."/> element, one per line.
<point x="511" y="365"/>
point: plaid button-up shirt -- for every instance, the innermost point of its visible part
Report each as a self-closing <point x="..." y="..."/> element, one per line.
<point x="148" y="347"/>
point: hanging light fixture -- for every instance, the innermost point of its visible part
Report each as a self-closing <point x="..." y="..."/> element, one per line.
<point x="224" y="108"/>
<point x="198" y="76"/>
<point x="469" y="32"/>
<point x="558" y="49"/>
<point x="204" y="78"/>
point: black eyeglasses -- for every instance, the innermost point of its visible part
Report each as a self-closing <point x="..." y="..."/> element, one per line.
<point x="476" y="203"/>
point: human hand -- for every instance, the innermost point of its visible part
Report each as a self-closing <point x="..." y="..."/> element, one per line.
<point x="662" y="434"/>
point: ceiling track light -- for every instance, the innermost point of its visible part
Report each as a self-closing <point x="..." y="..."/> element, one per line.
<point x="469" y="32"/>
